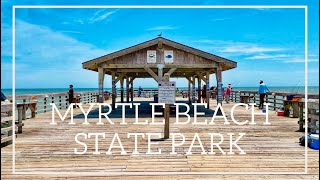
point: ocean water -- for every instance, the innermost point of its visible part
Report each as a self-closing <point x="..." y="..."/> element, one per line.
<point x="296" y="89"/>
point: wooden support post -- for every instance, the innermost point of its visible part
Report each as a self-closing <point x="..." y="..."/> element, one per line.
<point x="199" y="89"/>
<point x="121" y="88"/>
<point x="189" y="90"/>
<point x="160" y="71"/>
<point x="132" y="91"/>
<point x="114" y="95"/>
<point x="219" y="84"/>
<point x="101" y="73"/>
<point x="127" y="88"/>
<point x="166" y="77"/>
<point x="193" y="89"/>
<point x="208" y="89"/>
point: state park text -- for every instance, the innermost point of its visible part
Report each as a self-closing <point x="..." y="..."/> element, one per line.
<point x="177" y="139"/>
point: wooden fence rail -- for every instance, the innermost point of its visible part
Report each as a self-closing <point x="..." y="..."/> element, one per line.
<point x="60" y="99"/>
<point x="274" y="98"/>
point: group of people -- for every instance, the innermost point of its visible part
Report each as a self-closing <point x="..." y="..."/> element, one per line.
<point x="226" y="93"/>
<point x="213" y="93"/>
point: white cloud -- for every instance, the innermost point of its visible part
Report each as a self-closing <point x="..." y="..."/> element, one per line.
<point x="286" y="58"/>
<point x="266" y="56"/>
<point x="236" y="48"/>
<point x="40" y="43"/>
<point x="100" y="16"/>
<point x="6" y="40"/>
<point x="156" y="28"/>
<point x="47" y="58"/>
<point x="73" y="32"/>
<point x="248" y="49"/>
<point x="220" y="19"/>
<point x="302" y="60"/>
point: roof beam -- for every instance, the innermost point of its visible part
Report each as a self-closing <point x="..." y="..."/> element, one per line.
<point x="135" y="66"/>
<point x="171" y="70"/>
<point x="189" y="79"/>
<point x="199" y="74"/>
<point x="152" y="74"/>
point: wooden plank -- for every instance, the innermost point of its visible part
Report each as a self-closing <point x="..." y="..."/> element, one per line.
<point x="37" y="152"/>
<point x="313" y="117"/>
<point x="5" y="119"/>
<point x="6" y="107"/>
<point x="6" y="139"/>
<point x="6" y="129"/>
<point x="313" y="105"/>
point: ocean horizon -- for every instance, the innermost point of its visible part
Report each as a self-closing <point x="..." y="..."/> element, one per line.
<point x="21" y="91"/>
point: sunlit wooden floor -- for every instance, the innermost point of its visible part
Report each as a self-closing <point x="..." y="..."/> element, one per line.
<point x="44" y="148"/>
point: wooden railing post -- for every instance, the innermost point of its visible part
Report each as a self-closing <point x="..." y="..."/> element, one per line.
<point x="52" y="99"/>
<point x="235" y="97"/>
<point x="20" y="117"/>
<point x="66" y="97"/>
<point x="10" y="132"/>
<point x="60" y="105"/>
<point x="274" y="101"/>
<point x="45" y="104"/>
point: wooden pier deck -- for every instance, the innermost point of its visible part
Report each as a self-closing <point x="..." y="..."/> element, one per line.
<point x="43" y="148"/>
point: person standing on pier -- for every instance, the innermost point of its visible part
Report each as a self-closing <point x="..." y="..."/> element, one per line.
<point x="262" y="92"/>
<point x="139" y="91"/>
<point x="71" y="94"/>
<point x="228" y="93"/>
<point x="3" y="97"/>
<point x="204" y="94"/>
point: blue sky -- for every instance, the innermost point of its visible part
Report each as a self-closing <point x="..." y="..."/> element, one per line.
<point x="51" y="44"/>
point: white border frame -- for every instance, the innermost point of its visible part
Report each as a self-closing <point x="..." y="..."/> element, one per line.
<point x="158" y="173"/>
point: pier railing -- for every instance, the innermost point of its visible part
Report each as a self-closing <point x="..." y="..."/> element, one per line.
<point x="60" y="99"/>
<point x="274" y="98"/>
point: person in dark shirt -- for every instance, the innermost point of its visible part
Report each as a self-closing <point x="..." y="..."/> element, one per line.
<point x="3" y="97"/>
<point x="204" y="94"/>
<point x="139" y="91"/>
<point x="71" y="94"/>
